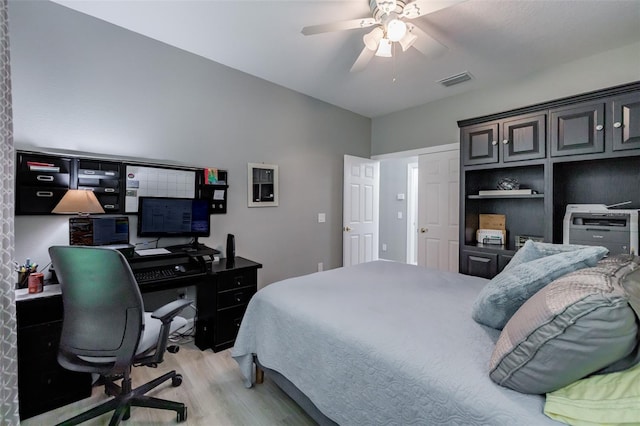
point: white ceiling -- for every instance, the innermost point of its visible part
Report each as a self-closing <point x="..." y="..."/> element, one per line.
<point x="495" y="40"/>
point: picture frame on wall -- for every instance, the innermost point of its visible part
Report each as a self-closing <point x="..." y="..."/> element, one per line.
<point x="262" y="188"/>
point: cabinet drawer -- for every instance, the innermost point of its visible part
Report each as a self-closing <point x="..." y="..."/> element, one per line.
<point x="100" y="174"/>
<point x="38" y="200"/>
<point x="237" y="279"/>
<point x="234" y="297"/>
<point x="39" y="311"/>
<point x="40" y="341"/>
<point x="109" y="202"/>
<point x="101" y="190"/>
<point x="228" y="324"/>
<point x="479" y="264"/>
<point x="97" y="183"/>
<point x="44" y="179"/>
<point x="43" y="389"/>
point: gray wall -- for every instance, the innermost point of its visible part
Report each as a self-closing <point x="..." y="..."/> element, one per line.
<point x="393" y="231"/>
<point x="435" y="123"/>
<point x="82" y="84"/>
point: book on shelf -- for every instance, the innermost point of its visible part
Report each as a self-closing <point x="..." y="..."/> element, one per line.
<point x="507" y="192"/>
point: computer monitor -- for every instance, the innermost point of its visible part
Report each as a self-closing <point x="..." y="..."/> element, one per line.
<point x="173" y="217"/>
<point x="98" y="231"/>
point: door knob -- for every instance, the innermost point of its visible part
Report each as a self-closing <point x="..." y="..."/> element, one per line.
<point x="346" y="229"/>
<point x="423" y="230"/>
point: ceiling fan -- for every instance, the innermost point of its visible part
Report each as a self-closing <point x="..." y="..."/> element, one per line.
<point x="390" y="20"/>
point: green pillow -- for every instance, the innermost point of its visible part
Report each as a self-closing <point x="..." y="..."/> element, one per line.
<point x="507" y="291"/>
<point x="605" y="399"/>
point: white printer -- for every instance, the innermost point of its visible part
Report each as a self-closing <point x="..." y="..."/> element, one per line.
<point x="599" y="225"/>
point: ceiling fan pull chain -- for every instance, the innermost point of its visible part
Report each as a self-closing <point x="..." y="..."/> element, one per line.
<point x="393" y="64"/>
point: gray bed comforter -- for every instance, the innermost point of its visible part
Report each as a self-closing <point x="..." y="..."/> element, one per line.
<point x="383" y="343"/>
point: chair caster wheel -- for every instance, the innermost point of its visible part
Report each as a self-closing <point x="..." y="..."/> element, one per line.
<point x="175" y="382"/>
<point x="173" y="349"/>
<point x="182" y="415"/>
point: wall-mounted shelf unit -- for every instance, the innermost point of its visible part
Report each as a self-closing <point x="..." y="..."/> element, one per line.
<point x="42" y="178"/>
<point x="581" y="149"/>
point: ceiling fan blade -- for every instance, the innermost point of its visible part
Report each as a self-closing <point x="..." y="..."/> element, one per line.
<point x="423" y="7"/>
<point x="339" y="26"/>
<point x="425" y="44"/>
<point x="363" y="60"/>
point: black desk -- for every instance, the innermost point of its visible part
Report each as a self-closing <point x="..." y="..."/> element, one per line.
<point x="223" y="290"/>
<point x="42" y="384"/>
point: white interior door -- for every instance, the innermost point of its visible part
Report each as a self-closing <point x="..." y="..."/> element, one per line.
<point x="360" y="210"/>
<point x="438" y="211"/>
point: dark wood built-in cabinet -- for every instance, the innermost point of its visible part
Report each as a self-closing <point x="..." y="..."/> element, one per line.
<point x="579" y="150"/>
<point x="514" y="139"/>
<point x="578" y="129"/>
<point x="626" y="122"/>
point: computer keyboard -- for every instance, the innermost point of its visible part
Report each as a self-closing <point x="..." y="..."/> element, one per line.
<point x="155" y="274"/>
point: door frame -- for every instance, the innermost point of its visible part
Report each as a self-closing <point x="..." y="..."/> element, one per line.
<point x="416" y="153"/>
<point x="412" y="213"/>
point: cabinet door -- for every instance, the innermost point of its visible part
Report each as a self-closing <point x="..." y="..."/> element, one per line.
<point x="524" y="138"/>
<point x="577" y="130"/>
<point x="479" y="264"/>
<point x="626" y="122"/>
<point x="479" y="144"/>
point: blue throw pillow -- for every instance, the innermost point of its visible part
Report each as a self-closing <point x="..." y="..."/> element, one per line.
<point x="507" y="291"/>
<point x="532" y="250"/>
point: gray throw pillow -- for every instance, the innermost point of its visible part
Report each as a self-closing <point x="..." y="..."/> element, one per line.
<point x="578" y="325"/>
<point x="507" y="291"/>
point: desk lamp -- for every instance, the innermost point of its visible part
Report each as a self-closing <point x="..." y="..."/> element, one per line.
<point x="80" y="202"/>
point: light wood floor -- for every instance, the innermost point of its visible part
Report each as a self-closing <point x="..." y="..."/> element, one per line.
<point x="212" y="389"/>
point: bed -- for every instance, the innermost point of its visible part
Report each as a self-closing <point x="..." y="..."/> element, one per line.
<point x="381" y="343"/>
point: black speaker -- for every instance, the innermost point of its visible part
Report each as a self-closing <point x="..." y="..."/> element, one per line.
<point x="231" y="247"/>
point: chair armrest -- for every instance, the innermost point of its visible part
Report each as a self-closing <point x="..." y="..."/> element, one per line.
<point x="167" y="312"/>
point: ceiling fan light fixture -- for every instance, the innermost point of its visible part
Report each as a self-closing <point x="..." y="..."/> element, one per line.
<point x="372" y="38"/>
<point x="396" y="29"/>
<point x="407" y="41"/>
<point x="384" y="48"/>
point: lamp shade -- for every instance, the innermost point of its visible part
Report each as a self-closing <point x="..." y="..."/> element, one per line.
<point x="77" y="201"/>
<point x="408" y="40"/>
<point x="372" y="38"/>
<point x="384" y="48"/>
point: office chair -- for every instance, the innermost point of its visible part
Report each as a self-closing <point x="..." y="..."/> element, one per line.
<point x="105" y="330"/>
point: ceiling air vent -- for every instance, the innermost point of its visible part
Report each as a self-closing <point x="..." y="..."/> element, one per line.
<point x="455" y="79"/>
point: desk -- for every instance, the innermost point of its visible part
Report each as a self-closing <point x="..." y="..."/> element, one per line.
<point x="223" y="290"/>
<point x="42" y="384"/>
